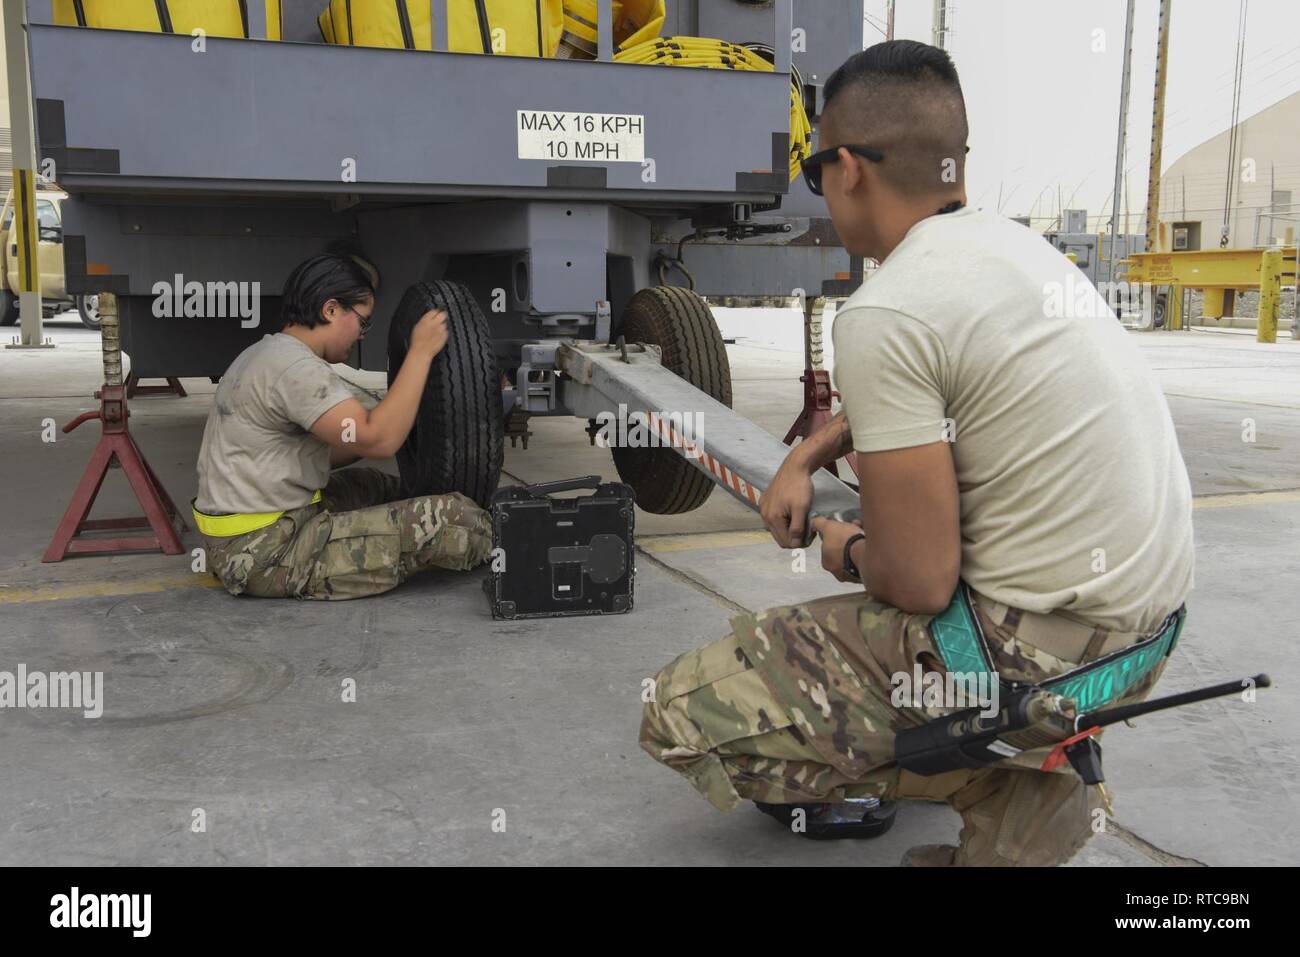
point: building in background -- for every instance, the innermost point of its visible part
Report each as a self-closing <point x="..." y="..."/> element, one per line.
<point x="6" y="141"/>
<point x="1265" y="197"/>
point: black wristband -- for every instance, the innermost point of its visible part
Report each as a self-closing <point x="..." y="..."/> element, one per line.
<point x="851" y="569"/>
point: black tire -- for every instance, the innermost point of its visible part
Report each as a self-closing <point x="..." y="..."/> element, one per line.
<point x="681" y="324"/>
<point x="456" y="444"/>
<point x="8" y="308"/>
<point x="88" y="310"/>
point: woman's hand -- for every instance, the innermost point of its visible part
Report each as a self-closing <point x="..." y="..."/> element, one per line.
<point x="429" y="335"/>
<point x="379" y="432"/>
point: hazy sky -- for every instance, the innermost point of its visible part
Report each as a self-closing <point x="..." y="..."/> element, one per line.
<point x="1044" y="107"/>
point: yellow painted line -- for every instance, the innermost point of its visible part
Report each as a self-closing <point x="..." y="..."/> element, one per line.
<point x="662" y="544"/>
<point x="1219" y="398"/>
<point x="685" y="543"/>
<point x="62" y="591"/>
<point x="656" y="545"/>
<point x="1246" y="498"/>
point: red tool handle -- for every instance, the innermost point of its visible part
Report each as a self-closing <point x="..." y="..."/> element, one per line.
<point x="84" y="417"/>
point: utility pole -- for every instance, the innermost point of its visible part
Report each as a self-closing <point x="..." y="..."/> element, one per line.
<point x="24" y="234"/>
<point x="1158" y="126"/>
<point x="889" y="20"/>
<point x="1119" y="141"/>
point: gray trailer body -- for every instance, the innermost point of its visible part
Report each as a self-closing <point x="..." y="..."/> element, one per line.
<point x="234" y="163"/>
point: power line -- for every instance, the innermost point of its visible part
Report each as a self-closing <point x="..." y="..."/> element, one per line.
<point x="1252" y="80"/>
<point x="1233" y="132"/>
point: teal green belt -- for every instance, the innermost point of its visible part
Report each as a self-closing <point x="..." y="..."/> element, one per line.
<point x="1093" y="685"/>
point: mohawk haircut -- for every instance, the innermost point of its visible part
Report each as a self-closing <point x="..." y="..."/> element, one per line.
<point x="904" y="98"/>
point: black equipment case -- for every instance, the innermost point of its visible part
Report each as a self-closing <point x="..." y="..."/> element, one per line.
<point x="567" y="556"/>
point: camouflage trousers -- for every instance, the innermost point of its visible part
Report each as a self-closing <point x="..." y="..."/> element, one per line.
<point x="795" y="707"/>
<point x="362" y="539"/>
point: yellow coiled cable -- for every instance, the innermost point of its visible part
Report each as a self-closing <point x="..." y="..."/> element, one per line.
<point x="722" y="55"/>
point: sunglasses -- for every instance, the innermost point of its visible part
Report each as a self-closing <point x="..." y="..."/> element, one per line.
<point x="812" y="166"/>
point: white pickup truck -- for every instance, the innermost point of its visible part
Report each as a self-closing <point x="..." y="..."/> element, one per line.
<point x="54" y="296"/>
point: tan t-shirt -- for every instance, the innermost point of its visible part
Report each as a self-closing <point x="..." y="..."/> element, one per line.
<point x="1074" y="495"/>
<point x="258" y="454"/>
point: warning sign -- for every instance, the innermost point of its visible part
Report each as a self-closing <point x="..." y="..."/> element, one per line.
<point x="596" y="137"/>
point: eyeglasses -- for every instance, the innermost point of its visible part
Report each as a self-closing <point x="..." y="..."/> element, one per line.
<point x="364" y="319"/>
<point x="812" y="166"/>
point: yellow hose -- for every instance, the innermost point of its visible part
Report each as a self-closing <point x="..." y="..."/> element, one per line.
<point x="722" y="55"/>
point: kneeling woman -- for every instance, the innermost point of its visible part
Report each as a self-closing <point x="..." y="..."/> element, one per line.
<point x="276" y="522"/>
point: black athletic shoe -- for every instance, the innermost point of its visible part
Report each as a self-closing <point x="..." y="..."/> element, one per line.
<point x="855" y="819"/>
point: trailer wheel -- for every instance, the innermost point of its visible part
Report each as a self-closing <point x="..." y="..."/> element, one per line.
<point x="88" y="310"/>
<point x="8" y="308"/>
<point x="681" y="324"/>
<point x="456" y="444"/>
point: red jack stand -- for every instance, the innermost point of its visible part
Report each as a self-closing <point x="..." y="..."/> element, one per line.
<point x="173" y="387"/>
<point x="817" y="391"/>
<point x="160" y="512"/>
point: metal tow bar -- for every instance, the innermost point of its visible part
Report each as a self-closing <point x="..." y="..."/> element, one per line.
<point x="729" y="448"/>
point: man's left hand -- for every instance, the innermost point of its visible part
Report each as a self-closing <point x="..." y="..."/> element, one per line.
<point x="833" y="535"/>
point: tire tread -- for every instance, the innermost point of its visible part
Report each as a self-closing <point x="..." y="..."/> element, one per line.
<point x="682" y="325"/>
<point x="457" y="442"/>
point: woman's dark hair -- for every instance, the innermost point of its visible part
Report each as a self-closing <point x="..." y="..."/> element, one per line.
<point x="318" y="280"/>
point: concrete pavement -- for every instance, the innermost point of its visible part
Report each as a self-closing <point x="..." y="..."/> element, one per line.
<point x="234" y="707"/>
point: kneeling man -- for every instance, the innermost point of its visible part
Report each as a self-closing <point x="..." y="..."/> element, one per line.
<point x="1017" y="468"/>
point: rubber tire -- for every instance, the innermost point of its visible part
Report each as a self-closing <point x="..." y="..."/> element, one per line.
<point x="682" y="325"/>
<point x="1159" y="311"/>
<point x="83" y="310"/>
<point x="457" y="442"/>
<point x="8" y="308"/>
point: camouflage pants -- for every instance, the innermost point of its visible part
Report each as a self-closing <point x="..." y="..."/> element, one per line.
<point x="360" y="540"/>
<point x="794" y="707"/>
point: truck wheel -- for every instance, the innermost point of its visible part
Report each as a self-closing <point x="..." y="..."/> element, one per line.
<point x="88" y="309"/>
<point x="456" y="444"/>
<point x="682" y="325"/>
<point x="8" y="308"/>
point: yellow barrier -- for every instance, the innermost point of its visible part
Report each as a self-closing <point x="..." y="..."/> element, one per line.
<point x="1219" y="273"/>
<point x="1270" y="295"/>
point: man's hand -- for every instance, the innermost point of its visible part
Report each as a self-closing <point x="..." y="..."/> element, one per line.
<point x="785" y="503"/>
<point x="429" y="335"/>
<point x="833" y="535"/>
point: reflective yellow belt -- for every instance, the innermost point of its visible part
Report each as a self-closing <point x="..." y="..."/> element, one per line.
<point x="241" y="523"/>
